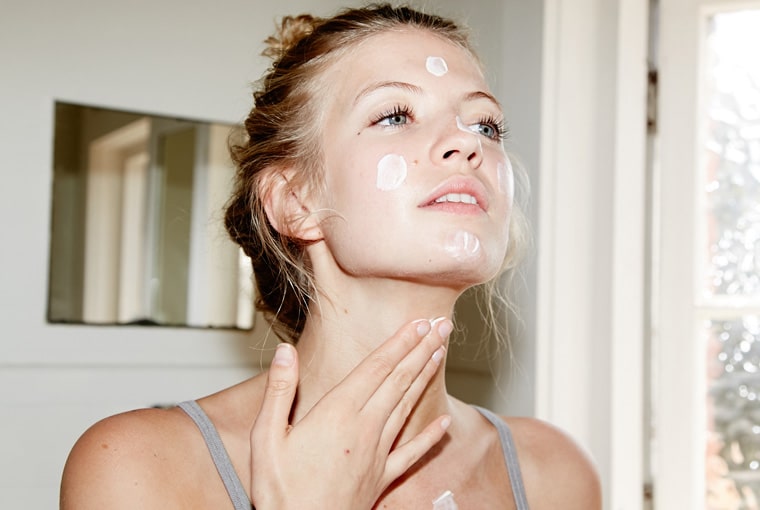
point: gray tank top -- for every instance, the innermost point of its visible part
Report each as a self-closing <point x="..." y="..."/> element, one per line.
<point x="240" y="498"/>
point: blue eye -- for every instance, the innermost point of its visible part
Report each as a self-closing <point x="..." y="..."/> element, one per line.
<point x="397" y="119"/>
<point x="398" y="116"/>
<point x="487" y="130"/>
<point x="490" y="128"/>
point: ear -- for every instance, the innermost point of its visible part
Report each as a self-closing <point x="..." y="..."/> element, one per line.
<point x="286" y="208"/>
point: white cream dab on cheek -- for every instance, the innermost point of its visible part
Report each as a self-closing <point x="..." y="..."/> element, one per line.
<point x="436" y="66"/>
<point x="463" y="245"/>
<point x="504" y="177"/>
<point x="391" y="172"/>
<point x="501" y="176"/>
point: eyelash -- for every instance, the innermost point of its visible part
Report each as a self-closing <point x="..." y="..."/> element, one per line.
<point x="499" y="125"/>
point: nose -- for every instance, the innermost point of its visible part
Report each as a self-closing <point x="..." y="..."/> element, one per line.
<point x="458" y="146"/>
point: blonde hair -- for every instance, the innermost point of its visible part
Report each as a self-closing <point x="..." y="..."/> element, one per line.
<point x="282" y="132"/>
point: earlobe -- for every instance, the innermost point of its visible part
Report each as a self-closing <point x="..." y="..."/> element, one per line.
<point x="287" y="212"/>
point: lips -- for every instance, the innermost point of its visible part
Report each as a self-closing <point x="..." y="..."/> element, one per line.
<point x="458" y="192"/>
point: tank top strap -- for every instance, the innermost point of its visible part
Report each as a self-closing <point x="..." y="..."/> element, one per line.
<point x="218" y="454"/>
<point x="510" y="457"/>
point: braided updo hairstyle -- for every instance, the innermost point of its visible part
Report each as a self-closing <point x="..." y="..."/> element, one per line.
<point x="283" y="132"/>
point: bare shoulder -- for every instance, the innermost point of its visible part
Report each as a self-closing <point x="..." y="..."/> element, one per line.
<point x="557" y="471"/>
<point x="130" y="460"/>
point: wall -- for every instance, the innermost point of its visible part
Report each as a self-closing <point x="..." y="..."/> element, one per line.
<point x="592" y="253"/>
<point x="187" y="59"/>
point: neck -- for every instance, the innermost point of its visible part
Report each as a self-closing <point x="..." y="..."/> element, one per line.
<point x="348" y="323"/>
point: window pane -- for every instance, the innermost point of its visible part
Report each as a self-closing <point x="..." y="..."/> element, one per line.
<point x="732" y="156"/>
<point x="733" y="447"/>
<point x="731" y="270"/>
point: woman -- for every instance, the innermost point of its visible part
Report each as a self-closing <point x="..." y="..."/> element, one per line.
<point x="373" y="190"/>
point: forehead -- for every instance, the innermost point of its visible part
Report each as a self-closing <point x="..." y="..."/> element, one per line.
<point x="402" y="55"/>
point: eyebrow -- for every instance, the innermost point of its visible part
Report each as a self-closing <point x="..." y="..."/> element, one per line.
<point x="480" y="94"/>
<point x="470" y="96"/>
<point x="387" y="84"/>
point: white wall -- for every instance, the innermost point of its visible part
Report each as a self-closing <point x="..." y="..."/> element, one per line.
<point x="592" y="235"/>
<point x="186" y="59"/>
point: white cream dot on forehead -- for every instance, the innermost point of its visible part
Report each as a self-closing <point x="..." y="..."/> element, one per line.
<point x="391" y="172"/>
<point x="463" y="245"/>
<point x="436" y="66"/>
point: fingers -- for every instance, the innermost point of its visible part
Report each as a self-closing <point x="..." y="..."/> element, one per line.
<point x="405" y="405"/>
<point x="412" y="373"/>
<point x="371" y="373"/>
<point x="403" y="457"/>
<point x="282" y="382"/>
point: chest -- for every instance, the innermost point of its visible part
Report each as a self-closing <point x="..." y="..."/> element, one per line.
<point x="476" y="483"/>
<point x="493" y="500"/>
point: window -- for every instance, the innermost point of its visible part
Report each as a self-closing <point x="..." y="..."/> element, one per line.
<point x="706" y="392"/>
<point x="728" y="299"/>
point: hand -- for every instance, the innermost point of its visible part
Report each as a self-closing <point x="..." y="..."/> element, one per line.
<point x="341" y="455"/>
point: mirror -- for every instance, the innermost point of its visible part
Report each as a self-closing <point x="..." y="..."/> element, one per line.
<point x="137" y="227"/>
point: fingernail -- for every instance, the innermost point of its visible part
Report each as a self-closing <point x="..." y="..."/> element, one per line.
<point x="438" y="355"/>
<point x="445" y="327"/>
<point x="437" y="320"/>
<point x="423" y="327"/>
<point x="446" y="422"/>
<point x="283" y="356"/>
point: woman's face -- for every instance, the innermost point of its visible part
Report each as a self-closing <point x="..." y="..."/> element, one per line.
<point x="418" y="185"/>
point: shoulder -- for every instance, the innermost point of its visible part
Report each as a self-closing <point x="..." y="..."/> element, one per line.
<point x="557" y="472"/>
<point x="130" y="460"/>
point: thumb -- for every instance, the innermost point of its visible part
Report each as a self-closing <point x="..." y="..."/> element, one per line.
<point x="282" y="382"/>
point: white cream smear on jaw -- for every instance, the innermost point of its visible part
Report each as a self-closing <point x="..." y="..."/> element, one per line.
<point x="445" y="502"/>
<point x="391" y="172"/>
<point x="463" y="245"/>
<point x="436" y="66"/>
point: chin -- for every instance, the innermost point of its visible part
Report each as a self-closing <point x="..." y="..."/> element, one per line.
<point x="463" y="274"/>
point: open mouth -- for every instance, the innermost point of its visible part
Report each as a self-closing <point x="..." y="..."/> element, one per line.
<point x="458" y="194"/>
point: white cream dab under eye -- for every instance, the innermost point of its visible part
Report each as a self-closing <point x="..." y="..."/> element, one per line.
<point x="463" y="245"/>
<point x="391" y="172"/>
<point x="462" y="126"/>
<point x="473" y="130"/>
<point x="436" y="66"/>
